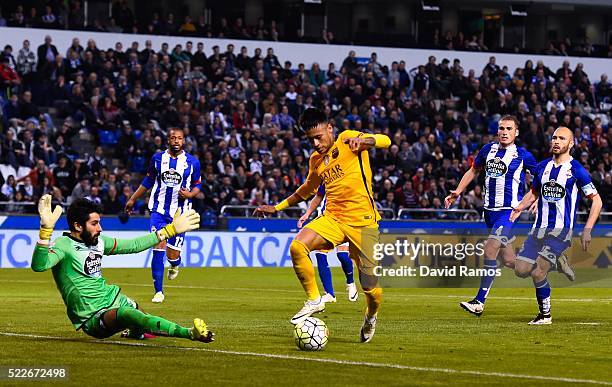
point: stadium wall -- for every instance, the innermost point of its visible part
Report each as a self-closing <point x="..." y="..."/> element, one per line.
<point x="271" y="249"/>
<point x="306" y="53"/>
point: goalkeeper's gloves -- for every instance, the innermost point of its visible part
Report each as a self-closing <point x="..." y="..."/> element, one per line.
<point x="182" y="222"/>
<point x="48" y="218"/>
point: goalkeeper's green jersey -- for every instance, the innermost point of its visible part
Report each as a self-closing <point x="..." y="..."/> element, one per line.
<point x="77" y="271"/>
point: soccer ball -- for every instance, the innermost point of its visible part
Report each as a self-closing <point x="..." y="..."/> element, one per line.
<point x="311" y="334"/>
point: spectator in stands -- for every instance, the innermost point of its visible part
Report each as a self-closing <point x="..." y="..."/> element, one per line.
<point x="9" y="188"/>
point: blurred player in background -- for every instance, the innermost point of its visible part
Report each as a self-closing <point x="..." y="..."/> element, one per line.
<point x="504" y="165"/>
<point x="557" y="183"/>
<point x="342" y="252"/>
<point x="174" y="176"/>
<point x="75" y="259"/>
<point x="343" y="165"/>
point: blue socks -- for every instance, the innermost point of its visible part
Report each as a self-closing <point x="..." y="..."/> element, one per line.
<point x="175" y="262"/>
<point x="542" y="290"/>
<point x="325" y="273"/>
<point x="157" y="269"/>
<point x="486" y="280"/>
<point x="347" y="265"/>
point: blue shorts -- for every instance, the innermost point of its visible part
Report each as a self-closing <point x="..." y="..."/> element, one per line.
<point x="500" y="225"/>
<point x="158" y="221"/>
<point x="550" y="248"/>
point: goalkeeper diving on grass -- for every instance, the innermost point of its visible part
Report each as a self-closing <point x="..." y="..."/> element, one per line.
<point x="75" y="259"/>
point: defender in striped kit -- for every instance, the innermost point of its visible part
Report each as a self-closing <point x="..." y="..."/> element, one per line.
<point x="557" y="184"/>
<point x="504" y="165"/>
<point x="174" y="177"/>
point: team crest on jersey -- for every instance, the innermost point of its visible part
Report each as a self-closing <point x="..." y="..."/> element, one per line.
<point x="335" y="153"/>
<point x="326" y="160"/>
<point x="552" y="191"/>
<point x="171" y="178"/>
<point x="93" y="264"/>
<point x="569" y="174"/>
<point x="496" y="167"/>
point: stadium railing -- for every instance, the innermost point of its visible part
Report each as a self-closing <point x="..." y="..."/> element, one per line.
<point x="438" y="213"/>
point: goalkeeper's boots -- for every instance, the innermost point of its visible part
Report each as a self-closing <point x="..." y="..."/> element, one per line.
<point x="475" y="307"/>
<point x="200" y="332"/>
<point x="136" y="335"/>
<point x="310" y="307"/>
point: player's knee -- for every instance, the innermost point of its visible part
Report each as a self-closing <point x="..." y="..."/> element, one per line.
<point x="522" y="270"/>
<point x="298" y="249"/>
<point x="160" y="246"/>
<point x="491" y="248"/>
<point x="538" y="274"/>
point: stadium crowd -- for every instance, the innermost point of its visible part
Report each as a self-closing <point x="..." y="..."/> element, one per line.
<point x="71" y="15"/>
<point x="239" y="111"/>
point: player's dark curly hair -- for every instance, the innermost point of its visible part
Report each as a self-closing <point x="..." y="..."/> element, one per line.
<point x="79" y="211"/>
<point x="311" y="118"/>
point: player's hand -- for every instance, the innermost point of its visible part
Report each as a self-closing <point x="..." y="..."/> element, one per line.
<point x="184" y="193"/>
<point x="182" y="222"/>
<point x="48" y="218"/>
<point x="514" y="215"/>
<point x="302" y="220"/>
<point x="450" y="199"/>
<point x="129" y="206"/>
<point x="585" y="239"/>
<point x="355" y="144"/>
<point x="534" y="208"/>
<point x="261" y="211"/>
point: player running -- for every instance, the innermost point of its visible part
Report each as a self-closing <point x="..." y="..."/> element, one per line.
<point x="343" y="165"/>
<point x="556" y="184"/>
<point x="174" y="176"/>
<point x="342" y="252"/>
<point x="75" y="259"/>
<point x="504" y="164"/>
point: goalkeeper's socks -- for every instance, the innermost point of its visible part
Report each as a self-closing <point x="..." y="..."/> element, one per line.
<point x="175" y="262"/>
<point x="486" y="281"/>
<point x="325" y="273"/>
<point x="135" y="319"/>
<point x="347" y="265"/>
<point x="157" y="269"/>
<point x="542" y="290"/>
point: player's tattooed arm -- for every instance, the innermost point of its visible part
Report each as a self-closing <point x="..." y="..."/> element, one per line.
<point x="367" y="142"/>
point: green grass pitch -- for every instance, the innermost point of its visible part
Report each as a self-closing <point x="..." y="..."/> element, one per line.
<point x="423" y="337"/>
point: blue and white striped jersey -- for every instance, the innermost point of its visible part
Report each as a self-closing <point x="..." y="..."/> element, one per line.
<point x="166" y="175"/>
<point x="504" y="174"/>
<point x="321" y="192"/>
<point x="557" y="187"/>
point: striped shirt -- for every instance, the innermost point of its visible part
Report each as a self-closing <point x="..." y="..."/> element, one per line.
<point x="557" y="186"/>
<point x="167" y="175"/>
<point x="504" y="170"/>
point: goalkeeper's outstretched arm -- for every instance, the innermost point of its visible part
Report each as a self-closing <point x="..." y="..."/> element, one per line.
<point x="181" y="223"/>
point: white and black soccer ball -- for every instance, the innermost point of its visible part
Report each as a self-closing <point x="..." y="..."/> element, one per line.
<point x="311" y="334"/>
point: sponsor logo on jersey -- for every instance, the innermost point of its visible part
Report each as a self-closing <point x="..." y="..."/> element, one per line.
<point x="552" y="191"/>
<point x="332" y="174"/>
<point x="171" y="178"/>
<point x="93" y="264"/>
<point x="495" y="167"/>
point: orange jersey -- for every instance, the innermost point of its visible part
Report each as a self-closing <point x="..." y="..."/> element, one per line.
<point x="348" y="181"/>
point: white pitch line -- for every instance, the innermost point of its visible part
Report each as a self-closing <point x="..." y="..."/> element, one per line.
<point x="301" y="291"/>
<point x="327" y="361"/>
<point x="587" y="323"/>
